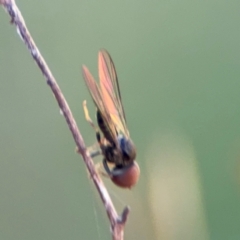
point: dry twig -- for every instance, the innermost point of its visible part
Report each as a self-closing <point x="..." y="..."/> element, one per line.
<point x="117" y="222"/>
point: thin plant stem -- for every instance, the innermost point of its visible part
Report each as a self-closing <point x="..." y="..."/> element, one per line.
<point x="117" y="222"/>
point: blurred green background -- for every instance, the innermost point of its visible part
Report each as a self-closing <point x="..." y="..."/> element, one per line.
<point x="178" y="66"/>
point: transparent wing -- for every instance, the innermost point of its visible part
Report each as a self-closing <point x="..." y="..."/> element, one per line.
<point x="99" y="102"/>
<point x="111" y="92"/>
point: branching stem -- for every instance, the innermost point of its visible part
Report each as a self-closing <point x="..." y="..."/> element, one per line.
<point x="117" y="222"/>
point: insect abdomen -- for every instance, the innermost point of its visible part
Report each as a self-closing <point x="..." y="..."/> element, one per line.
<point x="104" y="128"/>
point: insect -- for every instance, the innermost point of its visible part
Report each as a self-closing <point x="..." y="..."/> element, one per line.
<point x="116" y="145"/>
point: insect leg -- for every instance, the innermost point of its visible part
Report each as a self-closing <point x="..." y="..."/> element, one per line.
<point x="94" y="153"/>
<point x="106" y="167"/>
<point x="86" y="113"/>
<point x="87" y="117"/>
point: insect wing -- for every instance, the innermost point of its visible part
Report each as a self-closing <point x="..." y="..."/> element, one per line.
<point x="111" y="92"/>
<point x="99" y="102"/>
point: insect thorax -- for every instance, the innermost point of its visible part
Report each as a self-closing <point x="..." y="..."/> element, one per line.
<point x="128" y="149"/>
<point x="122" y="156"/>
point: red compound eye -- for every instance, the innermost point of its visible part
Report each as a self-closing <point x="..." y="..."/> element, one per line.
<point x="126" y="177"/>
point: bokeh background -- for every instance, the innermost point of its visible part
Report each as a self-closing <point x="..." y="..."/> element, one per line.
<point x="178" y="66"/>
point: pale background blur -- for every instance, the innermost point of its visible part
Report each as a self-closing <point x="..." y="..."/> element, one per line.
<point x="178" y="66"/>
